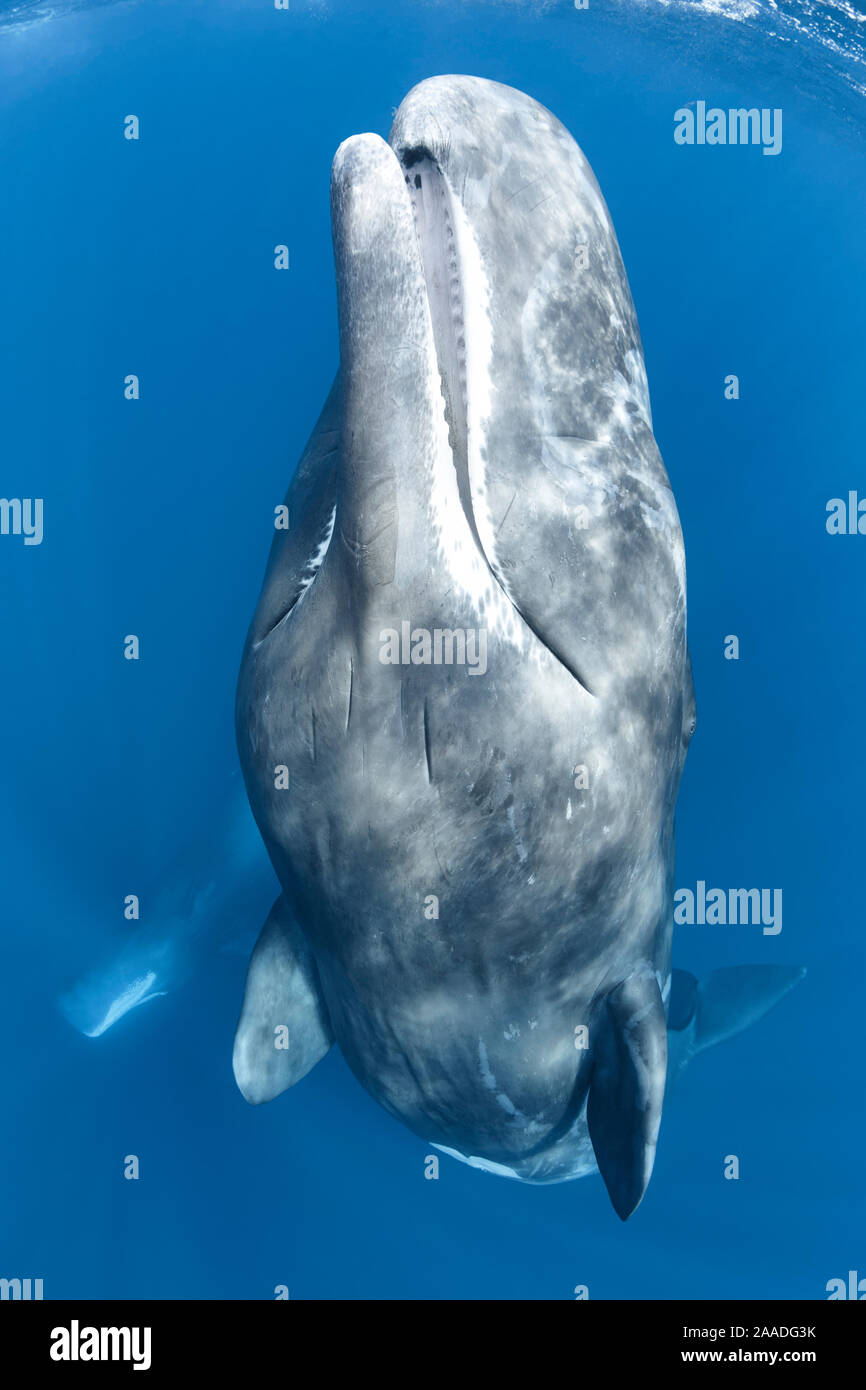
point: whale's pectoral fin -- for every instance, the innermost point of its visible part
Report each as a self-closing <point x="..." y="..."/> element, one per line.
<point x="629" y="1047"/>
<point x="284" y="1028"/>
<point x="732" y="999"/>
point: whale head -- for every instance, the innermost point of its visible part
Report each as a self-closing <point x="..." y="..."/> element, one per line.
<point x="465" y="698"/>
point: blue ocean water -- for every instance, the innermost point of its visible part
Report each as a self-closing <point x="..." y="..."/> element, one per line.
<point x="155" y="257"/>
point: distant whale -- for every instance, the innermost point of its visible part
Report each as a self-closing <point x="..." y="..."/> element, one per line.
<point x="477" y="873"/>
<point x="201" y="904"/>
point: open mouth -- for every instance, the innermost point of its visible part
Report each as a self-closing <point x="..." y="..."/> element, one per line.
<point x="436" y="222"/>
<point x="437" y="238"/>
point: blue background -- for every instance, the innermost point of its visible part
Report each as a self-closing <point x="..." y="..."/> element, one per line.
<point x="156" y="257"/>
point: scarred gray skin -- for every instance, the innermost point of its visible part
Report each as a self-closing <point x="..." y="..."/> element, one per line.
<point x="489" y="451"/>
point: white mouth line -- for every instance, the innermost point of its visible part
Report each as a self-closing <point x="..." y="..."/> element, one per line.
<point x="457" y="517"/>
<point x="463" y="337"/>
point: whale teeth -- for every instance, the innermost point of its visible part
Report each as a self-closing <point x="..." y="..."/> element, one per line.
<point x="629" y="1061"/>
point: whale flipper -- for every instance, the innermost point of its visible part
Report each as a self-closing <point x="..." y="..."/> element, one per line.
<point x="627" y="1088"/>
<point x="282" y="990"/>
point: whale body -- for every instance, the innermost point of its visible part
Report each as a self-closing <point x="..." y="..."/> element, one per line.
<point x="476" y="865"/>
<point x="475" y="853"/>
<point x="204" y="904"/>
